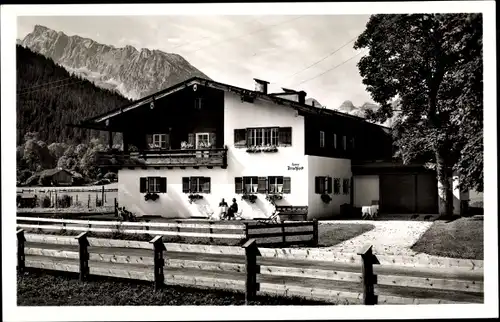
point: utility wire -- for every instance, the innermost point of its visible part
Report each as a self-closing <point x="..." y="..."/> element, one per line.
<point x="330" y="69"/>
<point x="36" y="90"/>
<point x="322" y="59"/>
<point x="44" y="84"/>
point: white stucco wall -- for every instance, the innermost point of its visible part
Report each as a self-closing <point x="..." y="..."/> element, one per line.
<point x="366" y="189"/>
<point x="237" y="115"/>
<point x="335" y="168"/>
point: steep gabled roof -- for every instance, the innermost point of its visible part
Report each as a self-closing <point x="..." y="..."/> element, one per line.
<point x="304" y="108"/>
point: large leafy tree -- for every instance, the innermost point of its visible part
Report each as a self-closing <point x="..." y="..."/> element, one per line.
<point x="431" y="65"/>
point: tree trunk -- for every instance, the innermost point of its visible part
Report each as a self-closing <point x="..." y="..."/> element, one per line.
<point x="445" y="178"/>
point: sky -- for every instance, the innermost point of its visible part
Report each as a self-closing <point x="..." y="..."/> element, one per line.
<point x="234" y="49"/>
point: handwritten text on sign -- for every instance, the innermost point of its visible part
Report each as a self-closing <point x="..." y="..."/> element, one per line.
<point x="295" y="166"/>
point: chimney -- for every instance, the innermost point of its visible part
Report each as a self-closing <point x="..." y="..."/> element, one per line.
<point x="302" y="97"/>
<point x="260" y="86"/>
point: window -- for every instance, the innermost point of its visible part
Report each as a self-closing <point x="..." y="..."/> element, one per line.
<point x="344" y="142"/>
<point x="198" y="103"/>
<point x="271" y="136"/>
<point x="321" y="139"/>
<point x="153" y="185"/>
<point x="323" y="185"/>
<point x="275" y="184"/>
<point x="334" y="140"/>
<point x="250" y="184"/>
<point x="158" y="141"/>
<point x="272" y="184"/>
<point x="336" y="186"/>
<point x="196" y="185"/>
<point x="345" y="186"/>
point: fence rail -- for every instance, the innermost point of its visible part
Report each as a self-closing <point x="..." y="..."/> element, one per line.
<point x="348" y="278"/>
<point x="212" y="230"/>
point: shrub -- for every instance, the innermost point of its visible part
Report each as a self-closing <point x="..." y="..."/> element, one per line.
<point x="64" y="201"/>
<point x="45" y="202"/>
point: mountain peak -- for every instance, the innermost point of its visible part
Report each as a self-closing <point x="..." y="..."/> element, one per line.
<point x="134" y="73"/>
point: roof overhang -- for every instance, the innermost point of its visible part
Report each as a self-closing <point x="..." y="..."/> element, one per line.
<point x="98" y="122"/>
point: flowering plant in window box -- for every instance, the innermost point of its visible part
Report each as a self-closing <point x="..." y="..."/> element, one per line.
<point x="270" y="148"/>
<point x="273" y="197"/>
<point x="186" y="146"/>
<point x="151" y="196"/>
<point x="326" y="198"/>
<point x="253" y="149"/>
<point x="194" y="197"/>
<point x="249" y="197"/>
<point x="204" y="145"/>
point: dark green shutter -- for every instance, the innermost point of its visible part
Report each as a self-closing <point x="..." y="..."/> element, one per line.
<point x="238" y="185"/>
<point x="149" y="138"/>
<point x="317" y="184"/>
<point x="185" y="184"/>
<point x="287" y="185"/>
<point x="329" y="185"/>
<point x="240" y="137"/>
<point x="213" y="140"/>
<point x="191" y="138"/>
<point x="143" y="185"/>
<point x="163" y="184"/>
<point x="262" y="185"/>
<point x="206" y="185"/>
<point x="194" y="184"/>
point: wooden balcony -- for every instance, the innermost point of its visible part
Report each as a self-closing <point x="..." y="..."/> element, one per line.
<point x="165" y="158"/>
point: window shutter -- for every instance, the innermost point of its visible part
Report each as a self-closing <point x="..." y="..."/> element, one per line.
<point x="143" y="185"/>
<point x="167" y="141"/>
<point x="191" y="138"/>
<point x="194" y="184"/>
<point x="316" y="184"/>
<point x="206" y="185"/>
<point x="163" y="184"/>
<point x="212" y="140"/>
<point x="330" y="185"/>
<point x="149" y="138"/>
<point x="240" y="137"/>
<point x="238" y="185"/>
<point x="185" y="185"/>
<point x="336" y="189"/>
<point x="285" y="136"/>
<point x="287" y="185"/>
<point x="249" y="136"/>
<point x="262" y="185"/>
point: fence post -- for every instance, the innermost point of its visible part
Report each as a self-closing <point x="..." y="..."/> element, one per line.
<point x="315" y="232"/>
<point x="246" y="231"/>
<point x="20" y="250"/>
<point x="116" y="208"/>
<point x="283" y="233"/>
<point x="158" y="248"/>
<point x="83" y="255"/>
<point x="369" y="279"/>
<point x="251" y="268"/>
<point x="88" y="203"/>
<point x="211" y="231"/>
<point x="102" y="198"/>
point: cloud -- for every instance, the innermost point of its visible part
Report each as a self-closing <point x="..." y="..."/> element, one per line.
<point x="235" y="49"/>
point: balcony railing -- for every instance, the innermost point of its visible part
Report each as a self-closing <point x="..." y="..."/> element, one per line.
<point x="169" y="158"/>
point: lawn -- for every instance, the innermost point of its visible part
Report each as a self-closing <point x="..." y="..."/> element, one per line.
<point x="333" y="234"/>
<point x="37" y="288"/>
<point x="461" y="238"/>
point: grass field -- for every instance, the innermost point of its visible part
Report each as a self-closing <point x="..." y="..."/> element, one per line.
<point x="461" y="238"/>
<point x="38" y="288"/>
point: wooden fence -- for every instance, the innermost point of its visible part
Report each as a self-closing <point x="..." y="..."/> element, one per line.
<point x="266" y="234"/>
<point x="314" y="274"/>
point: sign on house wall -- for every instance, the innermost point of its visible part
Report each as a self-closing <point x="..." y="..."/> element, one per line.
<point x="295" y="166"/>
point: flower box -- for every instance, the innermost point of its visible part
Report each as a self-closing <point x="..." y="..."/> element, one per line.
<point x="326" y="198"/>
<point x="151" y="196"/>
<point x="251" y="198"/>
<point x="194" y="197"/>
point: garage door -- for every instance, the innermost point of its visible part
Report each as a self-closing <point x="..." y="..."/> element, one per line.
<point x="408" y="193"/>
<point x="397" y="193"/>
